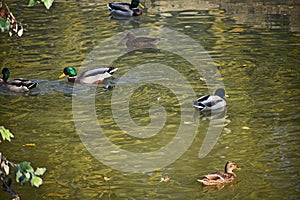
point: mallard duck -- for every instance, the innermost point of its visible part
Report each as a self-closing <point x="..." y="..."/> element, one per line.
<point x="134" y="42"/>
<point x="118" y="10"/>
<point x="16" y="85"/>
<point x="218" y="178"/>
<point x="90" y="76"/>
<point x="212" y="102"/>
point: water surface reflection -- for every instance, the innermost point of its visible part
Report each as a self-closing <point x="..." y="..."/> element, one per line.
<point x="255" y="48"/>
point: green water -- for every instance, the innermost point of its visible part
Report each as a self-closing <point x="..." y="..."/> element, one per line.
<point x="255" y="47"/>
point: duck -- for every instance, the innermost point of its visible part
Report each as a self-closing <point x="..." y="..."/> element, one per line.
<point x="134" y="42"/>
<point x="125" y="10"/>
<point x="90" y="76"/>
<point x="209" y="102"/>
<point x="16" y="85"/>
<point x="218" y="178"/>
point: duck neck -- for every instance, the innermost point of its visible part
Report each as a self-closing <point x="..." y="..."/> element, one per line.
<point x="229" y="171"/>
<point x="232" y="174"/>
<point x="72" y="79"/>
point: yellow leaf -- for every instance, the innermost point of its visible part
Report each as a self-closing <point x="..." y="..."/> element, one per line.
<point x="30" y="145"/>
<point x="245" y="128"/>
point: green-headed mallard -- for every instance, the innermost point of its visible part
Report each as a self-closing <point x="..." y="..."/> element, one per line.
<point x="211" y="102"/>
<point x="18" y="84"/>
<point x="90" y="76"/>
<point x="119" y="10"/>
<point x="218" y="178"/>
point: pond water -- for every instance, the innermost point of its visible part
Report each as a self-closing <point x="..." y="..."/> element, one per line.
<point x="251" y="48"/>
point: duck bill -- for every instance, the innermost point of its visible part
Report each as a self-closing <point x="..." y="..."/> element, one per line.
<point x="141" y="6"/>
<point x="238" y="168"/>
<point x="62" y="75"/>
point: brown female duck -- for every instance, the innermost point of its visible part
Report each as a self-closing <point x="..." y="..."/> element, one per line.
<point x="218" y="178"/>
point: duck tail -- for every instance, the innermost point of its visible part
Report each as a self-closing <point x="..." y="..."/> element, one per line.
<point x="200" y="180"/>
<point x="109" y="6"/>
<point x="199" y="105"/>
<point x="31" y="85"/>
<point x="111" y="70"/>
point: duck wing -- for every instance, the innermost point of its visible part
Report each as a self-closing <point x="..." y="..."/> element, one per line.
<point x="121" y="14"/>
<point x="215" y="176"/>
<point x="200" y="103"/>
<point x="210" y="102"/>
<point x="22" y="83"/>
<point x="92" y="76"/>
<point x="119" y="6"/>
<point x="146" y="39"/>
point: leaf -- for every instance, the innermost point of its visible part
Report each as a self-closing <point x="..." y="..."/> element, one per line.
<point x="5" y="133"/>
<point x="164" y="179"/>
<point x="5" y="168"/>
<point x="22" y="179"/>
<point x="4" y="24"/>
<point x="26" y="167"/>
<point x="18" y="175"/>
<point x="39" y="171"/>
<point x="36" y="181"/>
<point x="20" y="32"/>
<point x="30" y="145"/>
<point x="16" y="169"/>
<point x="48" y="3"/>
<point x="32" y="2"/>
<point x="28" y="176"/>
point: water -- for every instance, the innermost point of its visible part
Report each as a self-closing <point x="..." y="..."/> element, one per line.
<point x="255" y="49"/>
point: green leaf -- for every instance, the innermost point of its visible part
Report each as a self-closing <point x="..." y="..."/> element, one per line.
<point x="32" y="2"/>
<point x="5" y="133"/>
<point x="18" y="176"/>
<point x="28" y="176"/>
<point x="36" y="181"/>
<point x="4" y="25"/>
<point x="22" y="178"/>
<point x="26" y="167"/>
<point x="16" y="169"/>
<point x="48" y="3"/>
<point x="39" y="171"/>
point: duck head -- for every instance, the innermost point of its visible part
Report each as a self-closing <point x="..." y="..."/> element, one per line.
<point x="231" y="166"/>
<point x="5" y="74"/>
<point x="220" y="92"/>
<point x="68" y="71"/>
<point x="135" y="4"/>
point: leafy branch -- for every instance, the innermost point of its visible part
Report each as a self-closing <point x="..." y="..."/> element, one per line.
<point x="47" y="3"/>
<point x="23" y="171"/>
<point x="8" y="22"/>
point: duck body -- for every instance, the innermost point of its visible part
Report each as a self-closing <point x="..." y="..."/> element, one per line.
<point x="90" y="76"/>
<point x="125" y="10"/>
<point x="217" y="178"/>
<point x="134" y="42"/>
<point x="18" y="84"/>
<point x="214" y="102"/>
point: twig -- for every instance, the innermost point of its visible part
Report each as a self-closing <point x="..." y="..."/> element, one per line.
<point x="6" y="184"/>
<point x="6" y="187"/>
